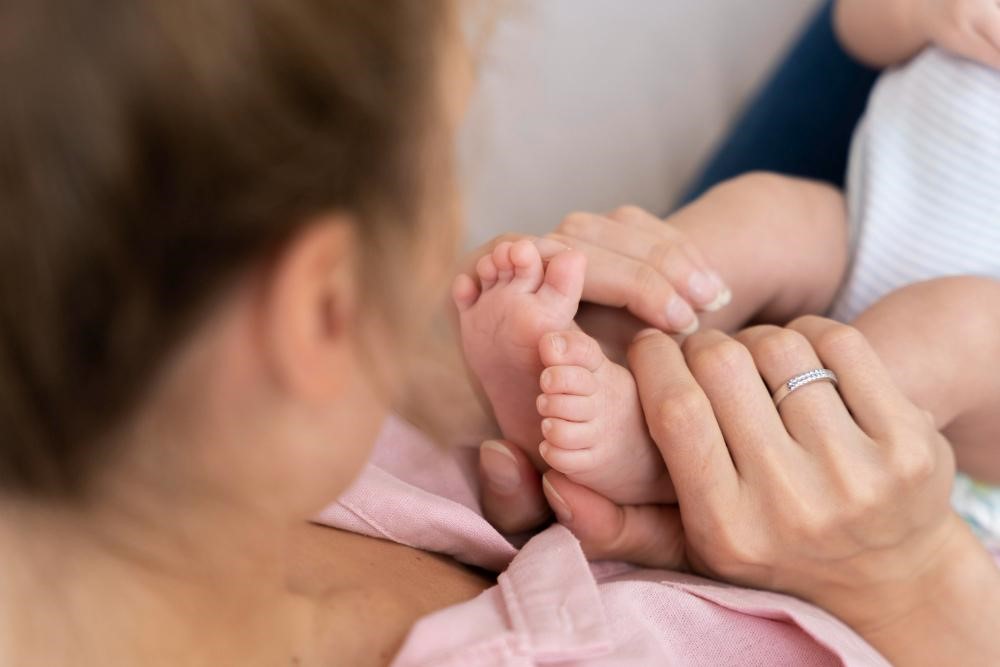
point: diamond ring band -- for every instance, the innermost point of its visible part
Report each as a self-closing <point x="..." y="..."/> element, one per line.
<point x="801" y="380"/>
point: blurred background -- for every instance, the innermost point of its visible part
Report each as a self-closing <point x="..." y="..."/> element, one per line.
<point x="590" y="104"/>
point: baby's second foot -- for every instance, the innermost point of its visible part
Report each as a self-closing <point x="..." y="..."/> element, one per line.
<point x="503" y="319"/>
<point x="593" y="425"/>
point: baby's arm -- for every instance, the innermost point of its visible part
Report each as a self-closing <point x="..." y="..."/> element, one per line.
<point x="941" y="341"/>
<point x="780" y="243"/>
<point x="888" y="32"/>
<point x="880" y="33"/>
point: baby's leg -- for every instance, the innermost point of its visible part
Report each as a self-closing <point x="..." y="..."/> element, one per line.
<point x="940" y="339"/>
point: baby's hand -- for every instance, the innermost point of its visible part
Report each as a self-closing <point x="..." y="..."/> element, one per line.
<point x="969" y="28"/>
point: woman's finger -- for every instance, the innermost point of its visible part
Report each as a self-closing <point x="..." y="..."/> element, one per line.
<point x="725" y="371"/>
<point x="664" y="249"/>
<point x="622" y="282"/>
<point x="642" y="219"/>
<point x="864" y="383"/>
<point x="647" y="535"/>
<point x="511" y="490"/>
<point x="781" y="354"/>
<point x="682" y="423"/>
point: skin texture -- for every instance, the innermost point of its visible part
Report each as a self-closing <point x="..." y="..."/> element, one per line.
<point x="733" y="455"/>
<point x="198" y="531"/>
<point x="589" y="402"/>
<point x="892" y="31"/>
<point x="517" y="301"/>
<point x="951" y="382"/>
<point x="588" y="412"/>
<point x="194" y="547"/>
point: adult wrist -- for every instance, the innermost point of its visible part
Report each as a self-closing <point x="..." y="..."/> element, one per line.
<point x="942" y="613"/>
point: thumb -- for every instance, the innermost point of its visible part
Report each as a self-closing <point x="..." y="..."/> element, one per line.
<point x="511" y="488"/>
<point x="647" y="535"/>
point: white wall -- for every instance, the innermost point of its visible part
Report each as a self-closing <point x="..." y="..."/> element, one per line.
<point x="588" y="104"/>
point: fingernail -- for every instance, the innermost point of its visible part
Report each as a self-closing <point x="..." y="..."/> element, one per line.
<point x="549" y="247"/>
<point x="556" y="502"/>
<point x="558" y="343"/>
<point x="500" y="467"/>
<point x="724" y="295"/>
<point x="546" y="426"/>
<point x="690" y="329"/>
<point x="721" y="301"/>
<point x="701" y="288"/>
<point x="680" y="316"/>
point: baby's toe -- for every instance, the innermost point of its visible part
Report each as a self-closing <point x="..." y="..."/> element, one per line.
<point x="568" y="380"/>
<point x="568" y="407"/>
<point x="486" y="269"/>
<point x="503" y="261"/>
<point x="569" y="435"/>
<point x="564" y="277"/>
<point x="571" y="348"/>
<point x="568" y="461"/>
<point x="464" y="292"/>
<point x="527" y="262"/>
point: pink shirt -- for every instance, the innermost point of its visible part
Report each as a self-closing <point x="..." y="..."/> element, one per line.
<point x="551" y="607"/>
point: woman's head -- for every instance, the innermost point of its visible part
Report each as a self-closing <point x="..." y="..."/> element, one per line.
<point x="270" y="173"/>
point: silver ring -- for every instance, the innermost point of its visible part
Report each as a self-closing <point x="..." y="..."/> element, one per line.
<point x="801" y="380"/>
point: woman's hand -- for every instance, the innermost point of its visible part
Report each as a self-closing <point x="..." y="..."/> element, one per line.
<point x="851" y="482"/>
<point x="839" y="497"/>
<point x="636" y="262"/>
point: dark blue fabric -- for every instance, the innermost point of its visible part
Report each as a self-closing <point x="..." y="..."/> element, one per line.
<point x="801" y="121"/>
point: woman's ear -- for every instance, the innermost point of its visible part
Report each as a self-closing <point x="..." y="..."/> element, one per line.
<point x="309" y="308"/>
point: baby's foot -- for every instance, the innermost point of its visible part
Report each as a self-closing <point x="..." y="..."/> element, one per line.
<point x="593" y="424"/>
<point x="518" y="301"/>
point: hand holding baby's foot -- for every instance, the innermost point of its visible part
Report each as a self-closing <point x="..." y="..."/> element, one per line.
<point x="646" y="535"/>
<point x="517" y="301"/>
<point x="593" y="423"/>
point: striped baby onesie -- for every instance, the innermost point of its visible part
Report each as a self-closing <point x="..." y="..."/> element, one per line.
<point x="923" y="194"/>
<point x="923" y="184"/>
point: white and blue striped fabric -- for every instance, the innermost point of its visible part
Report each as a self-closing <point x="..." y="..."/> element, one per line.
<point x="923" y="195"/>
<point x="923" y="183"/>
